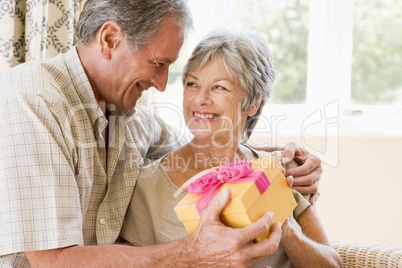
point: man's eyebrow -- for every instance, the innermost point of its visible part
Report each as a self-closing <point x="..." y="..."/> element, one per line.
<point x="166" y="60"/>
<point x="162" y="60"/>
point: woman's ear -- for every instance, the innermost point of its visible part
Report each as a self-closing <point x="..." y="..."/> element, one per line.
<point x="252" y="110"/>
<point x="109" y="37"/>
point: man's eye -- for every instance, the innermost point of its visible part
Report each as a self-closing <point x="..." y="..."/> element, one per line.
<point x="159" y="64"/>
<point x="189" y="84"/>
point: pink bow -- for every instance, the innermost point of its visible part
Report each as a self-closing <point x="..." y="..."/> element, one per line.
<point x="239" y="171"/>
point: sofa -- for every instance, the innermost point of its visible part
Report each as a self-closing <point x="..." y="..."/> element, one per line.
<point x="366" y="254"/>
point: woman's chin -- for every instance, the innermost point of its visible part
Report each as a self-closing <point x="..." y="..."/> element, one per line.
<point x="218" y="141"/>
<point x="201" y="136"/>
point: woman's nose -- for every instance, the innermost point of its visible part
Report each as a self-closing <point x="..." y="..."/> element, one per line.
<point x="203" y="97"/>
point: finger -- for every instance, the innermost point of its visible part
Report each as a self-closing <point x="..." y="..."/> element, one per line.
<point x="311" y="164"/>
<point x="216" y="206"/>
<point x="269" y="245"/>
<point x="312" y="189"/>
<point x="289" y="152"/>
<point x="276" y="233"/>
<point x="258" y="228"/>
<point x="314" y="198"/>
<point x="309" y="179"/>
<point x="304" y="180"/>
<point x="265" y="247"/>
<point x="289" y="180"/>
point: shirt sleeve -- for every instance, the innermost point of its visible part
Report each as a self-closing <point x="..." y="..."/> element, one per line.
<point x="167" y="141"/>
<point x="157" y="138"/>
<point x="39" y="198"/>
<point x="302" y="204"/>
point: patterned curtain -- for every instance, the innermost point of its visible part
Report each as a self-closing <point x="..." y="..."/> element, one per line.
<point x="35" y="29"/>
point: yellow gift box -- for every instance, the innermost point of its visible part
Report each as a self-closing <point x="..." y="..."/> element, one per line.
<point x="247" y="204"/>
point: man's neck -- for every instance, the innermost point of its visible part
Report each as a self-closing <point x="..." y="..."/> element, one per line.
<point x="90" y="64"/>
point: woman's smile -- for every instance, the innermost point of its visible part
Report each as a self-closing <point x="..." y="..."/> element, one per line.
<point x="205" y="115"/>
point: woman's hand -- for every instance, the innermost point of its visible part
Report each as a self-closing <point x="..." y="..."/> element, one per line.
<point x="307" y="176"/>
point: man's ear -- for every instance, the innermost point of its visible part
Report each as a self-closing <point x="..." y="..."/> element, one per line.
<point x="109" y="37"/>
<point x="252" y="110"/>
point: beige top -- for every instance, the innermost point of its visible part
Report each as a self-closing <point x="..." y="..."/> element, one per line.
<point x="150" y="218"/>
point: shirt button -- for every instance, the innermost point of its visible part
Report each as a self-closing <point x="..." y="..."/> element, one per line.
<point x="102" y="221"/>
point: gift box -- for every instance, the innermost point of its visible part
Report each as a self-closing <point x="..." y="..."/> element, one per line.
<point x="248" y="203"/>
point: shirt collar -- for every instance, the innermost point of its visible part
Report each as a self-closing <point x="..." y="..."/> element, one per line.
<point x="85" y="92"/>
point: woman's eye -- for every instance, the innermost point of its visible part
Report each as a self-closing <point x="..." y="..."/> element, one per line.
<point x="220" y="88"/>
<point x="189" y="84"/>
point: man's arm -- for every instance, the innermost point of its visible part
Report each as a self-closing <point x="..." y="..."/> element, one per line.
<point x="307" y="176"/>
<point x="211" y="245"/>
<point x="165" y="138"/>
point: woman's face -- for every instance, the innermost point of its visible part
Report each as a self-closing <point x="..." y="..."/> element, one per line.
<point x="212" y="104"/>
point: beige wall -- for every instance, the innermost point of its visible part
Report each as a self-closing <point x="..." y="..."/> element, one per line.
<point x="361" y="196"/>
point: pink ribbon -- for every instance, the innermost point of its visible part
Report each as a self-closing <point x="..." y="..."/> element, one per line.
<point x="239" y="171"/>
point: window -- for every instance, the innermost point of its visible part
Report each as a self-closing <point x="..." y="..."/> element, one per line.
<point x="337" y="60"/>
<point x="377" y="52"/>
<point x="284" y="24"/>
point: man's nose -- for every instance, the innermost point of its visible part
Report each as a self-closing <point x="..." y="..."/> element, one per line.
<point x="160" y="79"/>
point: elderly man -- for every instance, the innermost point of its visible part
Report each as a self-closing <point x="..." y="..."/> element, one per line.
<point x="72" y="145"/>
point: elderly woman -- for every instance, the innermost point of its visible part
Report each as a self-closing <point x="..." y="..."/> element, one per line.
<point x="227" y="81"/>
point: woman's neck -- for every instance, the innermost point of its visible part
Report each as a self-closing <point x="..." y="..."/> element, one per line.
<point x="193" y="158"/>
<point x="212" y="155"/>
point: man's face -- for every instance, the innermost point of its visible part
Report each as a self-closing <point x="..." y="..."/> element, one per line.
<point x="133" y="72"/>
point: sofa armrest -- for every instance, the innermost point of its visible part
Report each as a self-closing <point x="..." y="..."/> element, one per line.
<point x="367" y="254"/>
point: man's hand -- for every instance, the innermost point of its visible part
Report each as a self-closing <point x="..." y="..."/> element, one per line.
<point x="216" y="245"/>
<point x="307" y="176"/>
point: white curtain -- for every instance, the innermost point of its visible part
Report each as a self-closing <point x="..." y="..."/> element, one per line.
<point x="34" y="29"/>
<point x="207" y="15"/>
<point x="330" y="47"/>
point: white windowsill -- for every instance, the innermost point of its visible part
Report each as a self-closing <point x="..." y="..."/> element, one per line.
<point x="300" y="119"/>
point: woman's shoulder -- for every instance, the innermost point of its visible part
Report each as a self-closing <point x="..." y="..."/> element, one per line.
<point x="149" y="163"/>
<point x="150" y="167"/>
<point x="278" y="154"/>
<point x="263" y="154"/>
<point x="302" y="203"/>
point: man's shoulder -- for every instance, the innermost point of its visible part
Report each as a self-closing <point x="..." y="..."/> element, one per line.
<point x="33" y="72"/>
<point x="142" y="113"/>
<point x="145" y="119"/>
<point x="42" y="78"/>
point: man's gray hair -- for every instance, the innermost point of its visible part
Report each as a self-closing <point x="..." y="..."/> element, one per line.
<point x="140" y="20"/>
<point x="247" y="57"/>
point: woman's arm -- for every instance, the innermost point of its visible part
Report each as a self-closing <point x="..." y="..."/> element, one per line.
<point x="310" y="248"/>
